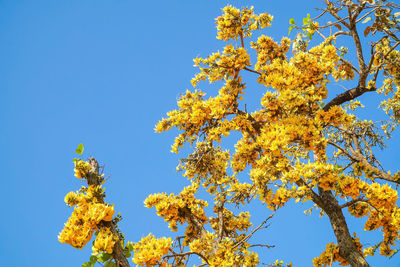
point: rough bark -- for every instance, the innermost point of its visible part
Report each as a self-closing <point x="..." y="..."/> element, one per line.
<point x="347" y="247"/>
<point x="118" y="252"/>
<point x="347" y="96"/>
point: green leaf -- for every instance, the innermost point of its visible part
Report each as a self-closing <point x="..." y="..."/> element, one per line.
<point x="93" y="259"/>
<point x="130" y="246"/>
<point x="79" y="150"/>
<point x="110" y="264"/>
<point x="127" y="254"/>
<point x="87" y="264"/>
<point x="366" y="20"/>
<point x="337" y="167"/>
<point x="291" y="28"/>
<point x="103" y="257"/>
<point x="291" y="21"/>
<point x="307" y="20"/>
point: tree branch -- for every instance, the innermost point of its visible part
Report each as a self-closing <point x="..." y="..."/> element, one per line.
<point x="186" y="254"/>
<point x="252" y="232"/>
<point x="347" y="247"/>
<point x="118" y="252"/>
<point x="347" y="96"/>
<point x="193" y="219"/>
<point x="262" y="245"/>
<point x="348" y="204"/>
<point x="336" y="16"/>
<point x="246" y="68"/>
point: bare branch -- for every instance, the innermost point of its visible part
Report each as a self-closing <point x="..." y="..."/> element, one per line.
<point x="336" y="16"/>
<point x="193" y="219"/>
<point x="186" y="254"/>
<point x="354" y="201"/>
<point x="262" y="245"/>
<point x="247" y="237"/>
<point x="357" y="12"/>
<point x="340" y="148"/>
<point x="338" y="33"/>
<point x="320" y="15"/>
<point x="246" y="68"/>
<point x="347" y="96"/>
<point x="340" y="20"/>
<point x="365" y="15"/>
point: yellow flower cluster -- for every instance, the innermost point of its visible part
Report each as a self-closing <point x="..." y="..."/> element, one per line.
<point x="293" y="121"/>
<point x="389" y="58"/>
<point x="335" y="116"/>
<point x="391" y="106"/>
<point x="278" y="199"/>
<point x="234" y="58"/>
<point x="85" y="218"/>
<point x="268" y="50"/>
<point x="369" y="251"/>
<point x="226" y="253"/>
<point x="387" y="87"/>
<point x="81" y="168"/>
<point x="72" y="198"/>
<point x="241" y="192"/>
<point x="331" y="254"/>
<point x="246" y="152"/>
<point x="351" y="187"/>
<point x="105" y="241"/>
<point x="196" y="114"/>
<point x="384" y="213"/>
<point x="316" y="173"/>
<point x="232" y="223"/>
<point x="149" y="251"/>
<point x="226" y="256"/>
<point x="344" y="71"/>
<point x="304" y="70"/>
<point x="178" y="209"/>
<point x="207" y="166"/>
<point x="234" y="22"/>
<point x="221" y="66"/>
<point x="380" y="207"/>
<point x="203" y="244"/>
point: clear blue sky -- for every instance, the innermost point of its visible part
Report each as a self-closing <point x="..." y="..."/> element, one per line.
<point x="102" y="73"/>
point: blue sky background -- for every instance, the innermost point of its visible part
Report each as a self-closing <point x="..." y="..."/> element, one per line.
<point x="103" y="73"/>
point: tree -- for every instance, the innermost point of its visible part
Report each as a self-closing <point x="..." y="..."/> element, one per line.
<point x="298" y="145"/>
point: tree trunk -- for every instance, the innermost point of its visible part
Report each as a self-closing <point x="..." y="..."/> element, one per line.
<point x="347" y="248"/>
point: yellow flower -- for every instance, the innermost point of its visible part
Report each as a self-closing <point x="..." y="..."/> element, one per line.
<point x="104" y="242"/>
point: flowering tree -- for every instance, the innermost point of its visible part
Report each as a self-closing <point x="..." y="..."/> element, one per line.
<point x="297" y="145"/>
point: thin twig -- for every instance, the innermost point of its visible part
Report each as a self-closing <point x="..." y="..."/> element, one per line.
<point x="262" y="245"/>
<point x="246" y="68"/>
<point x="255" y="230"/>
<point x="186" y="254"/>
